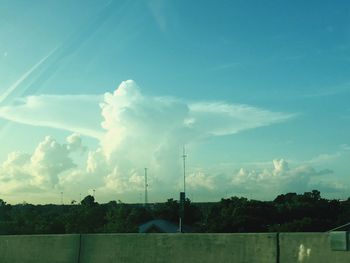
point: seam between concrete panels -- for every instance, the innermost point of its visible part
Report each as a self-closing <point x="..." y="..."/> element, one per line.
<point x="79" y="249"/>
<point x="277" y="247"/>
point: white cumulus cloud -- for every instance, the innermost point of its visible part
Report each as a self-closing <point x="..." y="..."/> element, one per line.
<point x="134" y="131"/>
<point x="264" y="182"/>
<point x="41" y="169"/>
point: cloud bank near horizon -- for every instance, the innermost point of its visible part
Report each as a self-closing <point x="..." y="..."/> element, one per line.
<point x="51" y="167"/>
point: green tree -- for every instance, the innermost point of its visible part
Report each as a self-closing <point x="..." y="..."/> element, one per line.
<point x="89" y="217"/>
<point x="123" y="218"/>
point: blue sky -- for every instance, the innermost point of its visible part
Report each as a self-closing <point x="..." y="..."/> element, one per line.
<point x="241" y="83"/>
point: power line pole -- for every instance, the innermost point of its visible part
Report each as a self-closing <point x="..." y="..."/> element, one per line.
<point x="184" y="155"/>
<point x="146" y="188"/>
<point x="183" y="194"/>
<point x="61" y="198"/>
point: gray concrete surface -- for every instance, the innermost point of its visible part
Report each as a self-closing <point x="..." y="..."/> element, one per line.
<point x="194" y="248"/>
<point x="39" y="249"/>
<point x="309" y="248"/>
<point x="201" y="248"/>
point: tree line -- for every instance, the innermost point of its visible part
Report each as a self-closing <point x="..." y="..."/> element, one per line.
<point x="289" y="212"/>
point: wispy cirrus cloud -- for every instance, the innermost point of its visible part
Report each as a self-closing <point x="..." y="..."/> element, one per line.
<point x="75" y="113"/>
<point x="127" y="107"/>
<point x="10" y="90"/>
<point x="157" y="8"/>
<point x="224" y="118"/>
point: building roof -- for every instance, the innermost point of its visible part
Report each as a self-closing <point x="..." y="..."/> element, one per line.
<point x="162" y="226"/>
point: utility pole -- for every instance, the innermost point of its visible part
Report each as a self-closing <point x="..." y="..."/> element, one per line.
<point x="146" y="188"/>
<point x="93" y="193"/>
<point x="183" y="194"/>
<point x="184" y="155"/>
<point x="61" y="198"/>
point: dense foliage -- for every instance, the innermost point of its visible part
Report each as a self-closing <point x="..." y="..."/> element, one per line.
<point x="287" y="213"/>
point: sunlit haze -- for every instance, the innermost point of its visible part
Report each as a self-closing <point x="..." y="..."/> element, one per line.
<point x="93" y="92"/>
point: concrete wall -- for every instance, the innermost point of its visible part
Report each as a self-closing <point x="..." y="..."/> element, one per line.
<point x="217" y="248"/>
<point x="39" y="249"/>
<point x="309" y="248"/>
<point x="201" y="248"/>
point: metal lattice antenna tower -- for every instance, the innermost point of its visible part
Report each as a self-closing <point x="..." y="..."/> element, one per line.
<point x="184" y="155"/>
<point x="146" y="188"/>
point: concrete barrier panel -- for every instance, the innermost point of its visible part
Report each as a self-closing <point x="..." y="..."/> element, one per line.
<point x="309" y="248"/>
<point x="201" y="248"/>
<point x="39" y="249"/>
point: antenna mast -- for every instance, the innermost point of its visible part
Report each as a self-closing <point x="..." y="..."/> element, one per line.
<point x="146" y="186"/>
<point x="183" y="194"/>
<point x="184" y="155"/>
